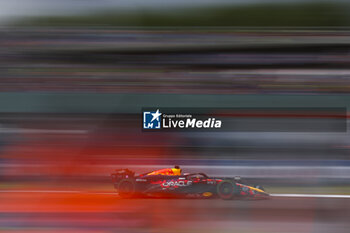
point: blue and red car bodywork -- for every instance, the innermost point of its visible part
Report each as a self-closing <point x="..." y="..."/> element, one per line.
<point x="165" y="183"/>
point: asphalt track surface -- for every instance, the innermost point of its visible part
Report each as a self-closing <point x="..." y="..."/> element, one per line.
<point x="74" y="211"/>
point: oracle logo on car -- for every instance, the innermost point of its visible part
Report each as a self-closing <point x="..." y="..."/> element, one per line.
<point x="176" y="183"/>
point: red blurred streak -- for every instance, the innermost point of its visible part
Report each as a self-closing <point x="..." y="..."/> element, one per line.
<point x="61" y="202"/>
<point x="66" y="156"/>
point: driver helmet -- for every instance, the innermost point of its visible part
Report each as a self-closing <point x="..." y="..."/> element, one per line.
<point x="177" y="170"/>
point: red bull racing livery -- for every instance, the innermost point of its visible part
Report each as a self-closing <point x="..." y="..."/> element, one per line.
<point x="170" y="182"/>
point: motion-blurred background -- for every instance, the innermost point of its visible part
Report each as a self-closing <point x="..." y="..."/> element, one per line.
<point x="74" y="76"/>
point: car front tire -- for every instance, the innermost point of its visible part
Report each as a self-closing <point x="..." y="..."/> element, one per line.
<point x="226" y="189"/>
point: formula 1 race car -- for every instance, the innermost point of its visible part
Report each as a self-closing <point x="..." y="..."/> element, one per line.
<point x="170" y="182"/>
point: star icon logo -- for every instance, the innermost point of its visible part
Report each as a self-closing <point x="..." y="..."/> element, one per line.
<point x="156" y="115"/>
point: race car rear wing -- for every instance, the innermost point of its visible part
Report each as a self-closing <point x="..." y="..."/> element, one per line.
<point x="122" y="174"/>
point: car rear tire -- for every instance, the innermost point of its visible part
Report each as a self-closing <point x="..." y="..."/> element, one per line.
<point x="226" y="189"/>
<point x="126" y="188"/>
